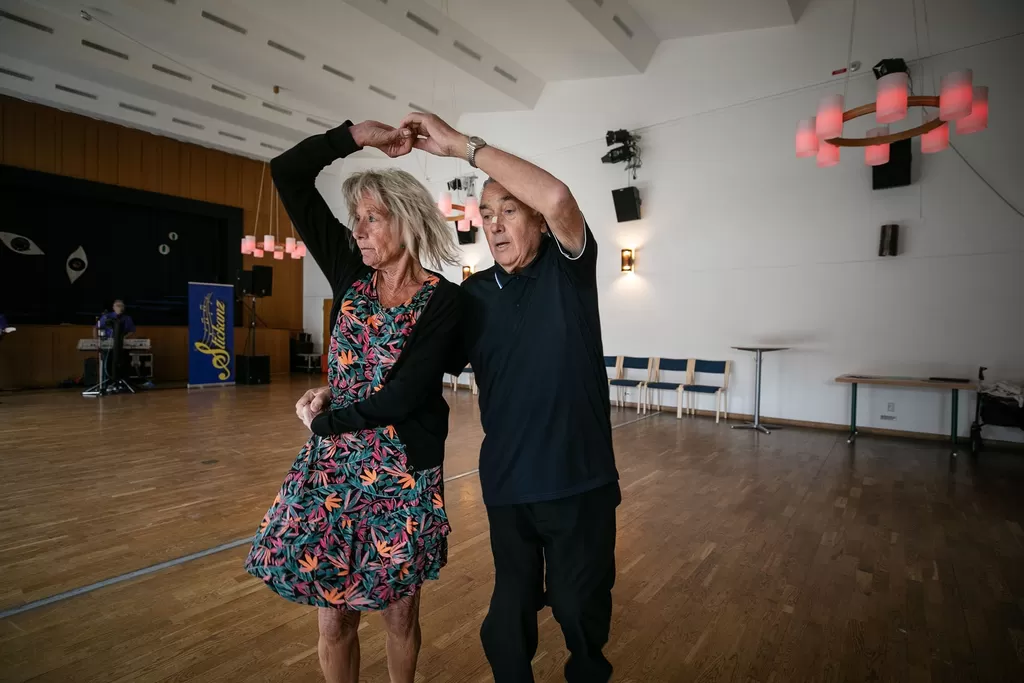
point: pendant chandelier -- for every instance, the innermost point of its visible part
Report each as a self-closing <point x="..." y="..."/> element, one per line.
<point x="959" y="102"/>
<point x="292" y="247"/>
<point x="467" y="214"/>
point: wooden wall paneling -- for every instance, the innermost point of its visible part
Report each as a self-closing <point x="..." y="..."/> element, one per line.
<point x="184" y="170"/>
<point x="197" y="173"/>
<point x="72" y="147"/>
<point x="19" y="135"/>
<point x="92" y="149"/>
<point x="232" y="180"/>
<point x="129" y="158"/>
<point x="216" y="167"/>
<point x="152" y="165"/>
<point x="107" y="153"/>
<point x="46" y="131"/>
<point x="170" y="161"/>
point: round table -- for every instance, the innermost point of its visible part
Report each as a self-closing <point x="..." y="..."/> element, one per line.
<point x="758" y="352"/>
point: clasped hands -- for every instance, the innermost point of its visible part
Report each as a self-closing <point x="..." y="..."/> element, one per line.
<point x="312" y="403"/>
<point x="416" y="131"/>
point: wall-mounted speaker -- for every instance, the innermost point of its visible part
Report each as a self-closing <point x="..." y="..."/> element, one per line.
<point x="468" y="237"/>
<point x="889" y="240"/>
<point x="627" y="204"/>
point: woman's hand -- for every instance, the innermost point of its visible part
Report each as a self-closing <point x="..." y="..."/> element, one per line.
<point x="312" y="404"/>
<point x="433" y="135"/>
<point x="394" y="142"/>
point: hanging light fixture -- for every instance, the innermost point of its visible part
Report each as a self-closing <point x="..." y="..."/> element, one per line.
<point x="245" y="246"/>
<point x="279" y="254"/>
<point x="977" y="120"/>
<point x="806" y="139"/>
<point x="876" y="155"/>
<point x="472" y="208"/>
<point x="936" y="139"/>
<point x="891" y="97"/>
<point x="258" y="253"/>
<point x="828" y="155"/>
<point x="300" y="247"/>
<point x="444" y="202"/>
<point x="463" y="225"/>
<point x="956" y="95"/>
<point x="829" y="122"/>
<point x="268" y="242"/>
<point x="289" y="245"/>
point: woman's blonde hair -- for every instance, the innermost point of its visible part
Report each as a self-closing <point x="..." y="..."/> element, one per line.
<point x="423" y="230"/>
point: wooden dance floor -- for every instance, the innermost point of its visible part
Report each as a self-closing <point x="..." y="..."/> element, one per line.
<point x="742" y="557"/>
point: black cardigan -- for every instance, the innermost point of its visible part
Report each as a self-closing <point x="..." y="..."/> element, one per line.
<point x="411" y="397"/>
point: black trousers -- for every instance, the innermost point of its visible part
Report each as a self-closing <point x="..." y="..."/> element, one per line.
<point x="574" y="540"/>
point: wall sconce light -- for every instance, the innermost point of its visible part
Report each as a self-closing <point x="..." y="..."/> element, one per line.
<point x="628" y="261"/>
<point x="466" y="272"/>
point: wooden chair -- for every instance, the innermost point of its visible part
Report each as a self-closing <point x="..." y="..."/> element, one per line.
<point x="612" y="362"/>
<point x="709" y="367"/>
<point x="622" y="383"/>
<point x="472" y="379"/>
<point x="670" y="365"/>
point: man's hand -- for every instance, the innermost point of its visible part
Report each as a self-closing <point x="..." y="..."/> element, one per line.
<point x="433" y="135"/>
<point x="394" y="142"/>
<point x="312" y="404"/>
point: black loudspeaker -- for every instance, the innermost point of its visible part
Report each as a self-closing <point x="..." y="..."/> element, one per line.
<point x="262" y="281"/>
<point x="252" y="369"/>
<point x="627" y="204"/>
<point x="896" y="173"/>
<point x="468" y="237"/>
<point x="243" y="282"/>
<point x="889" y="240"/>
<point x="90" y="372"/>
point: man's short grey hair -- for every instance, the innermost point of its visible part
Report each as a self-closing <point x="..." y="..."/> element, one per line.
<point x="422" y="228"/>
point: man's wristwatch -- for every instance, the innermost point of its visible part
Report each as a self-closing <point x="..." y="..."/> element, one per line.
<point x="473" y="145"/>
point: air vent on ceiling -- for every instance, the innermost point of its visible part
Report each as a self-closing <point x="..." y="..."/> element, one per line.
<point x="341" y="74"/>
<point x="466" y="49"/>
<point x="506" y="74"/>
<point x="231" y="135"/>
<point x="190" y="124"/>
<point x="171" y="72"/>
<point x="599" y="3"/>
<point x="171" y="2"/>
<point x="270" y="146"/>
<point x="419" y="107"/>
<point x="225" y="23"/>
<point x="422" y="23"/>
<point x="137" y="110"/>
<point x="104" y="49"/>
<point x="25" y="22"/>
<point x="226" y="91"/>
<point x="277" y="108"/>
<point x="73" y="91"/>
<point x="286" y="50"/>
<point x="317" y="122"/>
<point x="382" y="92"/>
<point x="24" y="77"/>
<point x="621" y="24"/>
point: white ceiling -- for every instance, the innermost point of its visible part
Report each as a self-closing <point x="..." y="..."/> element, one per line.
<point x="173" y="66"/>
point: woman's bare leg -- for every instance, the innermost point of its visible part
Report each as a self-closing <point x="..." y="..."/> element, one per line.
<point x="402" y="622"/>
<point x="339" y="645"/>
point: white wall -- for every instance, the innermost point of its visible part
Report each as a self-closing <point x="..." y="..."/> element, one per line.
<point x="741" y="243"/>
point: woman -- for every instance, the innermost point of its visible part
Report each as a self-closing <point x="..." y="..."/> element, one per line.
<point x="359" y="523"/>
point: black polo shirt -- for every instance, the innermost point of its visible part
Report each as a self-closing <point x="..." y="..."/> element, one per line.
<point x="535" y="347"/>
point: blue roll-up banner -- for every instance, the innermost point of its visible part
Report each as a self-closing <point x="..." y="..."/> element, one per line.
<point x="211" y="334"/>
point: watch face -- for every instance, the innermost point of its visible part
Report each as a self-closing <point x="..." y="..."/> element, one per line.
<point x="477" y="142"/>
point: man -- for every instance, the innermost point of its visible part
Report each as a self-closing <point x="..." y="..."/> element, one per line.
<point x="546" y="465"/>
<point x="107" y="321"/>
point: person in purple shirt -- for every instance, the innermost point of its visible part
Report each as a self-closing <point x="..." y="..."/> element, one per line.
<point x="107" y="320"/>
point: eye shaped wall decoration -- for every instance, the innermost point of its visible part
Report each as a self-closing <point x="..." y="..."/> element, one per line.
<point x="76" y="264"/>
<point x="20" y="244"/>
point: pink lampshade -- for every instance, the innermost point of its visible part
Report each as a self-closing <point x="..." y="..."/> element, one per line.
<point x="876" y="155"/>
<point x="463" y="225"/>
<point x="477" y="221"/>
<point x="300" y="247"/>
<point x="444" y="203"/>
<point x="278" y="255"/>
<point x="289" y="245"/>
<point x="296" y="255"/>
<point x="891" y="98"/>
<point x="829" y="122"/>
<point x="956" y="95"/>
<point x="977" y="120"/>
<point x="245" y="247"/>
<point x="268" y="242"/>
<point x="828" y="155"/>
<point x="806" y="139"/>
<point x="257" y="253"/>
<point x="472" y="210"/>
<point x="935" y="140"/>
<point x="250" y="244"/>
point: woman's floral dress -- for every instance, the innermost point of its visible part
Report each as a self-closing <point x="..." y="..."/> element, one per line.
<point x="353" y="527"/>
